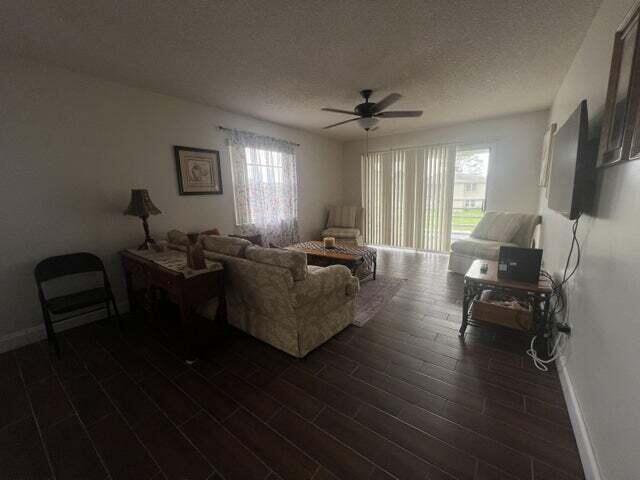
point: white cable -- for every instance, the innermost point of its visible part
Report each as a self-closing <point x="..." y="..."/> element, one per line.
<point x="555" y="353"/>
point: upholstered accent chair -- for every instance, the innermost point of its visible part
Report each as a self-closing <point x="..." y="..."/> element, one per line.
<point x="494" y="230"/>
<point x="345" y="224"/>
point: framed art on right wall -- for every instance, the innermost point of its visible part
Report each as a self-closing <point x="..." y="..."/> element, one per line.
<point x="619" y="120"/>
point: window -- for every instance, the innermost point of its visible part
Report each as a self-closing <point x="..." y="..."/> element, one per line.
<point x="265" y="188"/>
<point x="469" y="192"/>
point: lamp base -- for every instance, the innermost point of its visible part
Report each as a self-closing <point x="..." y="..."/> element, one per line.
<point x="146" y="243"/>
<point x="147" y="238"/>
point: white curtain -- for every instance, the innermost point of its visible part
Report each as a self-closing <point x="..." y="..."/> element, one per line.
<point x="408" y="197"/>
<point x="265" y="187"/>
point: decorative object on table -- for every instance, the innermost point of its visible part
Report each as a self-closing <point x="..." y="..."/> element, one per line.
<point x="100" y="298"/>
<point x="373" y="296"/>
<point x="547" y="152"/>
<point x="195" y="253"/>
<point x="141" y="206"/>
<point x="198" y="170"/>
<point x="623" y="97"/>
<point x="329" y="242"/>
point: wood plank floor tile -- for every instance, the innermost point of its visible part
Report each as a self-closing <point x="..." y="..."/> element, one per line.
<point x="176" y="455"/>
<point x="122" y="452"/>
<point x="333" y="455"/>
<point x="230" y="457"/>
<point x="281" y="455"/>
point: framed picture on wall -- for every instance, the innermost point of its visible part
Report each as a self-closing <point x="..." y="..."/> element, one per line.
<point x="622" y="95"/>
<point x="198" y="171"/>
<point x="547" y="152"/>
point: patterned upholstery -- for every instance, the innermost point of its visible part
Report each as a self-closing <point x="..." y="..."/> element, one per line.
<point x="266" y="301"/>
<point x="226" y="245"/>
<point x="295" y="262"/>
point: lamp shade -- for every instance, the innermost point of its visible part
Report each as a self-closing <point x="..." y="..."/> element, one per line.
<point x="141" y="205"/>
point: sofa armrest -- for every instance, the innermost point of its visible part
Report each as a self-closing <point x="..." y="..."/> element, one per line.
<point x="324" y="282"/>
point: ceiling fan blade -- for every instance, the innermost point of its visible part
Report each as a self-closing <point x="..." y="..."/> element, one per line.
<point x="400" y="114"/>
<point x="340" y="123"/>
<point x="337" y="110"/>
<point x="386" y="102"/>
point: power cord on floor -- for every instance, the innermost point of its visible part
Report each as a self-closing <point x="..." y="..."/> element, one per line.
<point x="556" y="351"/>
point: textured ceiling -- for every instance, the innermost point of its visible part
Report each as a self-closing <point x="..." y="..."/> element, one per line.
<point x="283" y="60"/>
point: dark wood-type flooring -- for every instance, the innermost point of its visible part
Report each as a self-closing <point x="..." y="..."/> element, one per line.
<point x="402" y="397"/>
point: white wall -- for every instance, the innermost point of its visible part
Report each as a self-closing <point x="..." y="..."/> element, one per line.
<point x="73" y="146"/>
<point x="515" y="163"/>
<point x="603" y="356"/>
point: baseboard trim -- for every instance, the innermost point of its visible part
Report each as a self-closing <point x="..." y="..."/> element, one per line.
<point x="29" y="335"/>
<point x="585" y="447"/>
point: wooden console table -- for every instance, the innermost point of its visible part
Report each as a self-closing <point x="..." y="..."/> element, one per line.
<point x="537" y="295"/>
<point x="186" y="291"/>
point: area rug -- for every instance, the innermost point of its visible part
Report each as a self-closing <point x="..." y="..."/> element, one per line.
<point x="374" y="294"/>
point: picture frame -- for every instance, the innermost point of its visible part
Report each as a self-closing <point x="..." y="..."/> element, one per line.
<point x="547" y="153"/>
<point x="198" y="171"/>
<point x="619" y="119"/>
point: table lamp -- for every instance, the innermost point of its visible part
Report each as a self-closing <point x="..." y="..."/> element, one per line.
<point x="141" y="206"/>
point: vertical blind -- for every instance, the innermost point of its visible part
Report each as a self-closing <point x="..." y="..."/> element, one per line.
<point x="408" y="197"/>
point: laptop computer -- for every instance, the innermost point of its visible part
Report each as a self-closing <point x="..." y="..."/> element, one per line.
<point x="519" y="264"/>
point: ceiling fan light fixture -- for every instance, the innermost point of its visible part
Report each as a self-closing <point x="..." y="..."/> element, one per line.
<point x="368" y="122"/>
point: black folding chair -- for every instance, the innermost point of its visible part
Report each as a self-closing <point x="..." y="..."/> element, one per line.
<point x="72" y="264"/>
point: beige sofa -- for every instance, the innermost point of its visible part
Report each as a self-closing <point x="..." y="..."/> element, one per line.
<point x="494" y="230"/>
<point x="273" y="294"/>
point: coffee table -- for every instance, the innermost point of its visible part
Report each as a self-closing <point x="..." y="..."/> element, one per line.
<point x="361" y="260"/>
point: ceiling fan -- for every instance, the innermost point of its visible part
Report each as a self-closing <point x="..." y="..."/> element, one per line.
<point x="368" y="113"/>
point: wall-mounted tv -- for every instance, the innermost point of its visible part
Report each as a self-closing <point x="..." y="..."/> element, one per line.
<point x="571" y="183"/>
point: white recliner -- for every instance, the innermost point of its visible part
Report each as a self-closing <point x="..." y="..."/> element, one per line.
<point x="345" y="224"/>
<point x="494" y="230"/>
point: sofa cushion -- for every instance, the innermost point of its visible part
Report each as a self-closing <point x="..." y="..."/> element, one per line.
<point x="478" y="248"/>
<point x="231" y="246"/>
<point x="342" y="217"/>
<point x="497" y="226"/>
<point x="341" y="232"/>
<point x="295" y="262"/>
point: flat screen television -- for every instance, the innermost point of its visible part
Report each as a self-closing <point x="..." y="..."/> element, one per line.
<point x="571" y="185"/>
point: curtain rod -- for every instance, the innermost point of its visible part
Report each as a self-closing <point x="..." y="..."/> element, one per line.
<point x="286" y="141"/>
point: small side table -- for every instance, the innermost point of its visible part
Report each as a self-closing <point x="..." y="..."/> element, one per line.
<point x="187" y="292"/>
<point x="538" y="295"/>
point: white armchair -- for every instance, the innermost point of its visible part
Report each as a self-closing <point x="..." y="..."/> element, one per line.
<point x="345" y="223"/>
<point x="494" y="230"/>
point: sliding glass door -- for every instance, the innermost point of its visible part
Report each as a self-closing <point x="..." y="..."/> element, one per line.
<point x="408" y="197"/>
<point x="423" y="197"/>
<point x="470" y="189"/>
